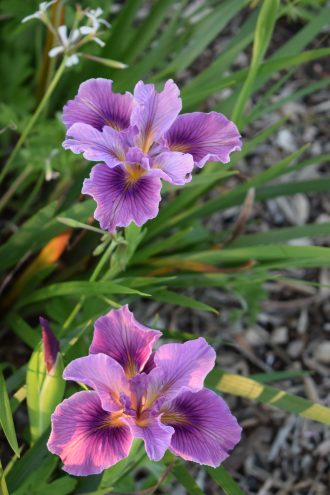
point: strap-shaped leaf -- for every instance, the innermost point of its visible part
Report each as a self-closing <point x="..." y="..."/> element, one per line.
<point x="251" y="389"/>
<point x="225" y="480"/>
<point x="6" y="417"/>
<point x="77" y="288"/>
<point x="186" y="480"/>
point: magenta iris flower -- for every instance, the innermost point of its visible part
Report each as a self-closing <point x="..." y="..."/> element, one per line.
<point x="140" y="139"/>
<point x="158" y="397"/>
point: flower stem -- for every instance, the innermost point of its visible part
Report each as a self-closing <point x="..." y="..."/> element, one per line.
<point x="14" y="186"/>
<point x="93" y="277"/>
<point x="33" y="119"/>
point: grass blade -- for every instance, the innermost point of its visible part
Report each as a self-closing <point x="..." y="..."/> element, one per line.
<point x="186" y="480"/>
<point x="263" y="35"/>
<point x="265" y="394"/>
<point x="6" y="417"/>
<point x="77" y="288"/>
<point x="225" y="480"/>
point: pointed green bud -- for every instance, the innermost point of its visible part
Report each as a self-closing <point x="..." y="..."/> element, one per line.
<point x="44" y="382"/>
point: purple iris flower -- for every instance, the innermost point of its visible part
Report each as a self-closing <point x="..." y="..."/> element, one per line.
<point x="140" y="139"/>
<point x="158" y="397"/>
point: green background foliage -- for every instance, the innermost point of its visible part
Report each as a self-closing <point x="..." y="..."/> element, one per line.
<point x="170" y="254"/>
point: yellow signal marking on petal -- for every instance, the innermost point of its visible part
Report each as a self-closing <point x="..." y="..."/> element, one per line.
<point x="114" y="419"/>
<point x="147" y="140"/>
<point x="143" y="420"/>
<point x="130" y="368"/>
<point x="133" y="174"/>
<point x="180" y="147"/>
<point x="172" y="417"/>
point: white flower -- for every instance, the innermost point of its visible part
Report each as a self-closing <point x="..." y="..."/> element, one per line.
<point x="72" y="60"/>
<point x="67" y="42"/>
<point x="94" y="16"/>
<point x="43" y="6"/>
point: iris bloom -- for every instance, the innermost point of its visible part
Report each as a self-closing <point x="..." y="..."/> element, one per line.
<point x="140" y="139"/>
<point x="158" y="397"/>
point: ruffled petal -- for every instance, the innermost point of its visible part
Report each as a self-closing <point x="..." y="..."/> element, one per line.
<point x="87" y="438"/>
<point x="108" y="146"/>
<point x="156" y="436"/>
<point x="178" y="367"/>
<point x="174" y="167"/>
<point x="104" y="375"/>
<point x="97" y="105"/>
<point x="206" y="136"/>
<point x="154" y="112"/>
<point x="123" y="195"/>
<point x="205" y="429"/>
<point x="119" y="335"/>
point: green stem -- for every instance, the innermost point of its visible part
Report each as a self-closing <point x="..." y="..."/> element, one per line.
<point x="14" y="186"/>
<point x="33" y="119"/>
<point x="3" y="485"/>
<point x="104" y="258"/>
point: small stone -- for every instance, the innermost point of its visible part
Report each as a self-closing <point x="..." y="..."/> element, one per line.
<point x="322" y="353"/>
<point x="295" y="348"/>
<point x="279" y="335"/>
<point x="286" y="140"/>
<point x="256" y="336"/>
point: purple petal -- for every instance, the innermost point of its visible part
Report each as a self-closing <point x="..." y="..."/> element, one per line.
<point x="156" y="436"/>
<point x="123" y="195"/>
<point x="150" y="364"/>
<point x="108" y="146"/>
<point x="206" y="136"/>
<point x="87" y="438"/>
<point x="205" y="429"/>
<point x="174" y="167"/>
<point x="179" y="366"/>
<point x="154" y="112"/>
<point x="51" y="345"/>
<point x="121" y="337"/>
<point x="97" y="105"/>
<point x="104" y="375"/>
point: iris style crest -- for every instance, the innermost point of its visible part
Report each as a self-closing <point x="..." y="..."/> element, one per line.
<point x="136" y="393"/>
<point x="139" y="140"/>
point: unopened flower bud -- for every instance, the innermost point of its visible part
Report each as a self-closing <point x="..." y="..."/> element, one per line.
<point x="51" y="346"/>
<point x="44" y="383"/>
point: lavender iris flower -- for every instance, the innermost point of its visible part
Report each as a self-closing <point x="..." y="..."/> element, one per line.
<point x="140" y="139"/>
<point x="158" y="397"/>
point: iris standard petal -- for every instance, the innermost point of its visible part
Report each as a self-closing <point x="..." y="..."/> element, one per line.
<point x="97" y="105"/>
<point x="104" y="375"/>
<point x="174" y="167"/>
<point x="205" y="429"/>
<point x="154" y="112"/>
<point x="156" y="436"/>
<point x="108" y="145"/>
<point x="87" y="438"/>
<point x="119" y="335"/>
<point x="179" y="366"/>
<point x="206" y="136"/>
<point x="123" y="195"/>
